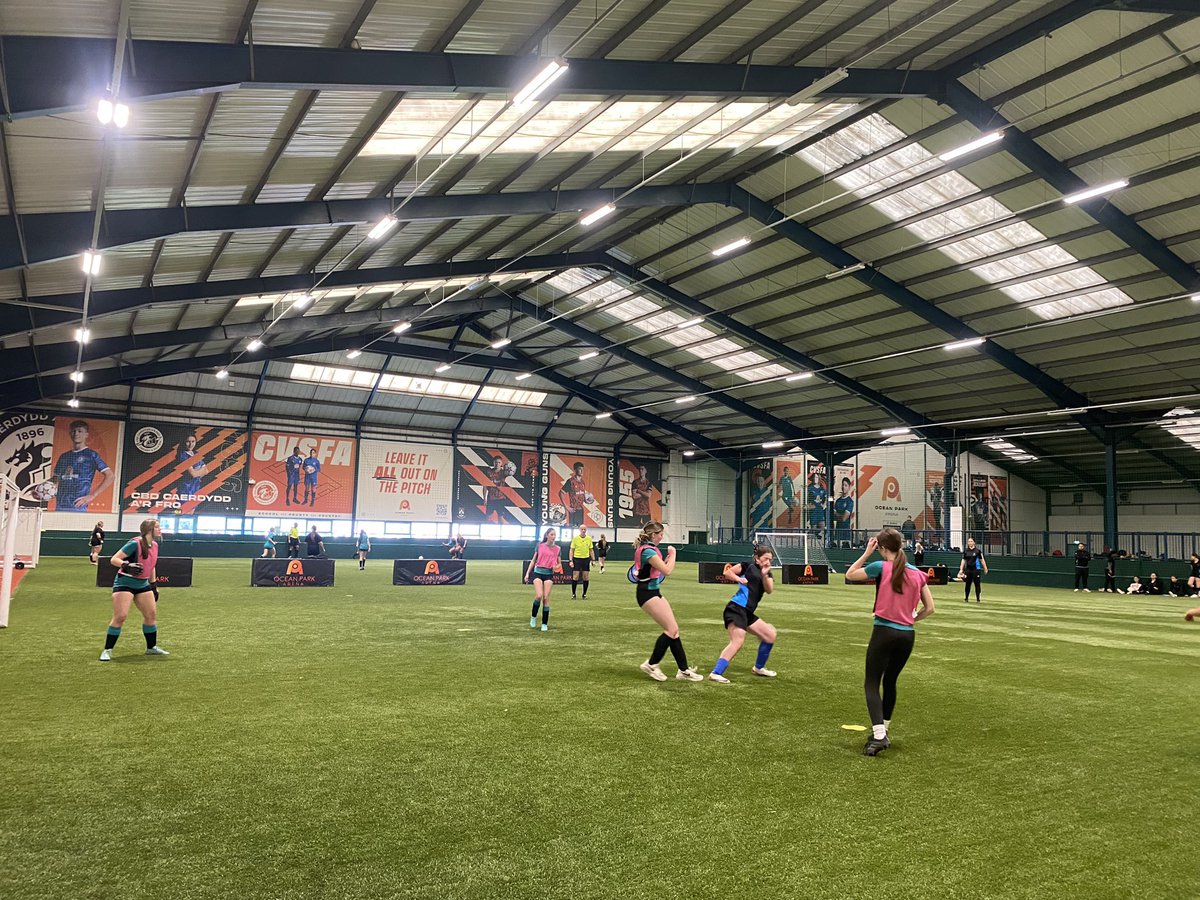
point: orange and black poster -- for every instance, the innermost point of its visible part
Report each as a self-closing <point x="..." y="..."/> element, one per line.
<point x="497" y="486"/>
<point x="639" y="492"/>
<point x="308" y="473"/>
<point x="184" y="469"/>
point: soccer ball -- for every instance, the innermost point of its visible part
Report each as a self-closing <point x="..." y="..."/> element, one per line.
<point x="309" y="470"/>
<point x="44" y="492"/>
<point x="556" y="514"/>
<point x="510" y="469"/>
<point x="589" y="497"/>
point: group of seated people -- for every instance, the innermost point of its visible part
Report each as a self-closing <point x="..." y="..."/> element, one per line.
<point x="1156" y="587"/>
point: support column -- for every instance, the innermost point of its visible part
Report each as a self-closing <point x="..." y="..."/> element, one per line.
<point x="1110" y="493"/>
<point x="739" y="497"/>
<point x="948" y="493"/>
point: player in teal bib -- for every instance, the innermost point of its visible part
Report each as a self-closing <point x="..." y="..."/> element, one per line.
<point x="135" y="563"/>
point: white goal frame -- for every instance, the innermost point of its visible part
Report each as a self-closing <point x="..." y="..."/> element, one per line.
<point x="20" y="540"/>
<point x="810" y="544"/>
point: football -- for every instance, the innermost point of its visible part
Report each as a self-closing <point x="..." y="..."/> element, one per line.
<point x="589" y="497"/>
<point x="44" y="492"/>
<point x="510" y="469"/>
<point x="309" y="470"/>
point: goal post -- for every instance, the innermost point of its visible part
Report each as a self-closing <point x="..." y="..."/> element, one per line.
<point x="795" y="547"/>
<point x="20" y="540"/>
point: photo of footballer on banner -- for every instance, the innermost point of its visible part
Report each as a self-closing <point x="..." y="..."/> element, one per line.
<point x="311" y="474"/>
<point x="497" y="486"/>
<point x="184" y="469"/>
<point x="405" y="482"/>
<point x="639" y="492"/>
<point x="980" y="509"/>
<point x="789" y="505"/>
<point x="843" y="502"/>
<point x="574" y="490"/>
<point x="63" y="463"/>
<point x="816" y="495"/>
<point x="998" y="502"/>
<point x="760" y="496"/>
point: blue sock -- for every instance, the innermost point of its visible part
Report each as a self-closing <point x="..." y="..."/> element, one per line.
<point x="721" y="666"/>
<point x="764" y="650"/>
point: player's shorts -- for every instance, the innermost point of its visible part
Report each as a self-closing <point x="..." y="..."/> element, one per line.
<point x="293" y="478"/>
<point x="581" y="564"/>
<point x="268" y="545"/>
<point x="125" y="584"/>
<point x="310" y="480"/>
<point x="96" y="543"/>
<point x="603" y="554"/>
<point x="575" y="517"/>
<point x="739" y="616"/>
<point x="646" y="594"/>
<point x="543" y="576"/>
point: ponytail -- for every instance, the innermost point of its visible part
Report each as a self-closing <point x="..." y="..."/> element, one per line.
<point x="891" y="540"/>
<point x="146" y="543"/>
<point x="650" y="531"/>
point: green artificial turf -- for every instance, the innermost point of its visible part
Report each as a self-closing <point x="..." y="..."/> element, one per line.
<point x="368" y="741"/>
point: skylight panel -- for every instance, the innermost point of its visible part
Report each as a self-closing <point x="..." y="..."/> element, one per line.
<point x="1184" y="424"/>
<point x="415" y="385"/>
<point x="875" y="133"/>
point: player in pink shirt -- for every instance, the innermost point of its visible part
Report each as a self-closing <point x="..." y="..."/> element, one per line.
<point x="542" y="567"/>
<point x="899" y="589"/>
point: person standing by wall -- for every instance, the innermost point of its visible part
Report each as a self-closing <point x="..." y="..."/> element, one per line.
<point x="602" y="552"/>
<point x="1082" y="560"/>
<point x="294" y="541"/>
<point x="316" y="546"/>
<point x="918" y="554"/>
<point x="1110" y="572"/>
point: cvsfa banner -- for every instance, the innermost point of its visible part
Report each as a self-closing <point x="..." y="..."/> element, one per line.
<point x="493" y="485"/>
<point x="399" y="481"/>
<point x="68" y="464"/>
<point x="292" y="573"/>
<point x="843" y="493"/>
<point x="312" y="474"/>
<point x="639" y="492"/>
<point x="184" y="469"/>
<point x="429" y="572"/>
<point x="575" y="490"/>
<point x="816" y="495"/>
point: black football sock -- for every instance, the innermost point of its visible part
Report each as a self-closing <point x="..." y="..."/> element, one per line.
<point x="151" y="634"/>
<point x="536" y="605"/>
<point x="677" y="652"/>
<point x="585" y="587"/>
<point x="660" y="649"/>
<point x="110" y="639"/>
<point x="546" y="614"/>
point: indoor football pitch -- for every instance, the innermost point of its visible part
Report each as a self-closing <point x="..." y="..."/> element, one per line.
<point x="370" y="741"/>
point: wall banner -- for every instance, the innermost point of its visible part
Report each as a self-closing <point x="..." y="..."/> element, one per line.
<point x="68" y="464"/>
<point x="405" y="482"/>
<point x="789" y="506"/>
<point x="816" y="493"/>
<point x="639" y="492"/>
<point x="310" y="474"/>
<point x="493" y="485"/>
<point x="843" y="491"/>
<point x="575" y="490"/>
<point x="291" y="573"/>
<point x="760" y="495"/>
<point x="184" y="469"/>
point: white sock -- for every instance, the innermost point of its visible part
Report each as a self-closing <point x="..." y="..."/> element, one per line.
<point x="887" y="724"/>
<point x="879" y="732"/>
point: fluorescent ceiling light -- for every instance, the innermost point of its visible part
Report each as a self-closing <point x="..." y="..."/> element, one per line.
<point x="120" y="115"/>
<point x="772" y="445"/>
<point x="689" y="452"/>
<point x="731" y="246"/>
<point x="354" y="354"/>
<point x="963" y="345"/>
<point x="593" y="217"/>
<point x="90" y="262"/>
<point x="977" y="144"/>
<point x="891" y="432"/>
<point x="690" y="322"/>
<point x="857" y="267"/>
<point x="104" y="110"/>
<point x="523" y="376"/>
<point x="254" y="345"/>
<point x="444" y="367"/>
<point x="73" y="403"/>
<point x="301" y="301"/>
<point x="83" y="335"/>
<point x="222" y="374"/>
<point x="1089" y="193"/>
<point x="77" y="376"/>
<point x="401" y="327"/>
<point x="604" y="415"/>
<point x="591" y="354"/>
<point x="1196" y="298"/>
<point x="501" y="342"/>
<point x="799" y="376"/>
<point x="817" y="87"/>
<point x="382" y="227"/>
<point x="550" y="73"/>
<point x="688" y="399"/>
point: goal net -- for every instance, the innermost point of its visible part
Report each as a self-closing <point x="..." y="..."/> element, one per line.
<point x="20" y="540"/>
<point x="795" y="547"/>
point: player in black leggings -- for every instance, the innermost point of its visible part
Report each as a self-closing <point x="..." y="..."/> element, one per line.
<point x="971" y="570"/>
<point x="1082" y="559"/>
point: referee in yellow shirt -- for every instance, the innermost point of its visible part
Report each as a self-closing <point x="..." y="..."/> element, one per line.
<point x="582" y="554"/>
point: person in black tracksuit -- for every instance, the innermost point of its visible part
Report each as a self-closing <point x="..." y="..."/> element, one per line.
<point x="1110" y="573"/>
<point x="1082" y="559"/>
<point x="972" y="569"/>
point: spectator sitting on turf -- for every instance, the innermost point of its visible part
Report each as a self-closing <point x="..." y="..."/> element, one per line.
<point x="1136" y="586"/>
<point x="1154" y="587"/>
<point x="1178" y="588"/>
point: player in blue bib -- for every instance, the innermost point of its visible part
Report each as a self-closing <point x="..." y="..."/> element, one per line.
<point x="363" y="548"/>
<point x="753" y="577"/>
<point x="312" y="469"/>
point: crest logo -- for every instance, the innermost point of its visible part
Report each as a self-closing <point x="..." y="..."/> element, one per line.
<point x="148" y="440"/>
<point x="265" y="492"/>
<point x="891" y="488"/>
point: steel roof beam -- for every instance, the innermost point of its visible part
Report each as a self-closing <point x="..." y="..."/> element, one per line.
<point x="53" y="75"/>
<point x="51" y="236"/>
<point x="1031" y="154"/>
<point x="805" y="237"/>
<point x="109" y="302"/>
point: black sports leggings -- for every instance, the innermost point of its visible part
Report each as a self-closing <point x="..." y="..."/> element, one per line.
<point x="971" y="577"/>
<point x="1081" y="578"/>
<point x="1110" y="583"/>
<point x="887" y="653"/>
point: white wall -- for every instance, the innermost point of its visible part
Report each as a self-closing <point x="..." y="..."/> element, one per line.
<point x="1174" y="509"/>
<point x="701" y="493"/>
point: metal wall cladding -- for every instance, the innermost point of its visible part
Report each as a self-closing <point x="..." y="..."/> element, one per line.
<point x="303" y="24"/>
<point x="213" y="20"/>
<point x="405" y="25"/>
